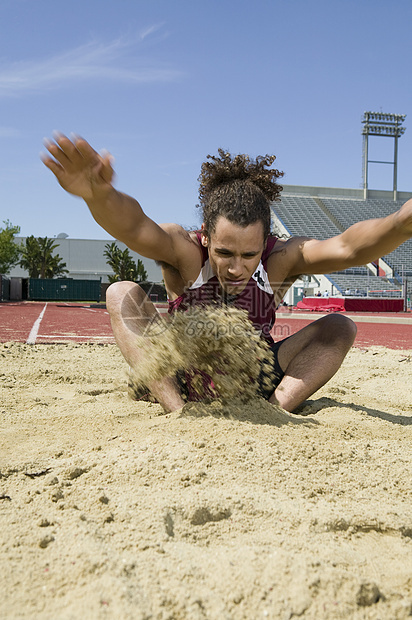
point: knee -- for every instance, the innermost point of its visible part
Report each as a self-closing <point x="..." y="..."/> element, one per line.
<point x="338" y="327"/>
<point x="118" y="292"/>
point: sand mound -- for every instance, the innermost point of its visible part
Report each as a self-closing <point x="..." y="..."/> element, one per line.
<point x="256" y="410"/>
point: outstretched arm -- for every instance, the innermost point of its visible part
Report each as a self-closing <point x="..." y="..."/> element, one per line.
<point x="81" y="171"/>
<point x="360" y="244"/>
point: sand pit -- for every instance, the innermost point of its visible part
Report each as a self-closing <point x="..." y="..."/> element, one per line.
<point x="109" y="509"/>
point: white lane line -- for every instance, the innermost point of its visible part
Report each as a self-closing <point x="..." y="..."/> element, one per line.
<point x="35" y="329"/>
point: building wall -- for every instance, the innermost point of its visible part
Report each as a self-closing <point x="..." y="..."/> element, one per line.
<point x="85" y="260"/>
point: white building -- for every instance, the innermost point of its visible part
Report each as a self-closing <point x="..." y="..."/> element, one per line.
<point x="85" y="260"/>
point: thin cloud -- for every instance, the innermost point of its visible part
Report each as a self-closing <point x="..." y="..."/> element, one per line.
<point x="9" y="132"/>
<point x="117" y="61"/>
<point x="150" y="30"/>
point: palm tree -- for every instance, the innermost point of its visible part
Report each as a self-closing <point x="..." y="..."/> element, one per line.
<point x="37" y="257"/>
<point x="123" y="265"/>
<point x="9" y="250"/>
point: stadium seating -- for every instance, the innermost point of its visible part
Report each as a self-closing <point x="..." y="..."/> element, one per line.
<point x="301" y="215"/>
<point x="348" y="212"/>
<point x="321" y="218"/>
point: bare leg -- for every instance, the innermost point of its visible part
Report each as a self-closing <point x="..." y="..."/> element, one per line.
<point x="311" y="357"/>
<point x="131" y="311"/>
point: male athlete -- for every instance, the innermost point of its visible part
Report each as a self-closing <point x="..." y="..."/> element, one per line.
<point x="232" y="258"/>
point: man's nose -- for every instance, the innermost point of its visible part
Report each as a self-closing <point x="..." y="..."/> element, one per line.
<point x="235" y="267"/>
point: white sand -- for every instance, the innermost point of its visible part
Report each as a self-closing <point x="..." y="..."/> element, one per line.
<point x="110" y="510"/>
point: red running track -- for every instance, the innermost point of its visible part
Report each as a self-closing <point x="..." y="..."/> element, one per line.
<point x="374" y="333"/>
<point x="37" y="322"/>
<point x="40" y="322"/>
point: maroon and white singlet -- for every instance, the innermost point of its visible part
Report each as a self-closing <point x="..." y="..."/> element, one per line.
<point x="257" y="298"/>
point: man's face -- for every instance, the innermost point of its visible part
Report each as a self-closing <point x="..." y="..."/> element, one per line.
<point x="234" y="253"/>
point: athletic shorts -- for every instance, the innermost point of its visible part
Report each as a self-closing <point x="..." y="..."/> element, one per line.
<point x="275" y="377"/>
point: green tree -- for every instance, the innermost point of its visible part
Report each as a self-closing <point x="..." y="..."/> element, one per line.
<point x="9" y="250"/>
<point x="123" y="265"/>
<point x="38" y="258"/>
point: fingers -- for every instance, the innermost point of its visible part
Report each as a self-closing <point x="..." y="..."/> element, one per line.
<point x="106" y="171"/>
<point x="76" y="164"/>
<point x="59" y="157"/>
<point x="62" y="151"/>
<point x="85" y="150"/>
<point x="53" y="165"/>
<point x="70" y="154"/>
<point x="75" y="153"/>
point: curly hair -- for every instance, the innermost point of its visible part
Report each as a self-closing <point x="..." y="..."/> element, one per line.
<point x="238" y="188"/>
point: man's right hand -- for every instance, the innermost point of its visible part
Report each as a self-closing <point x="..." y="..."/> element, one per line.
<point x="83" y="172"/>
<point x="79" y="169"/>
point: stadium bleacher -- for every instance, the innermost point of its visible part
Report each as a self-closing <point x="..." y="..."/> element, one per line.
<point x="301" y="215"/>
<point x="321" y="216"/>
<point x="350" y="211"/>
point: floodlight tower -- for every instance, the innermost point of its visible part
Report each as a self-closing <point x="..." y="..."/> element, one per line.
<point x="381" y="124"/>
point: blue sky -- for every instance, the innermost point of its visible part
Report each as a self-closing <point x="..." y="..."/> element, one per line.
<point x="163" y="83"/>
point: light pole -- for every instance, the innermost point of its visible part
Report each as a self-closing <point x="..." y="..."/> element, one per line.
<point x="387" y="125"/>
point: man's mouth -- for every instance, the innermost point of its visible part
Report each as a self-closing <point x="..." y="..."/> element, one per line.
<point x="234" y="282"/>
